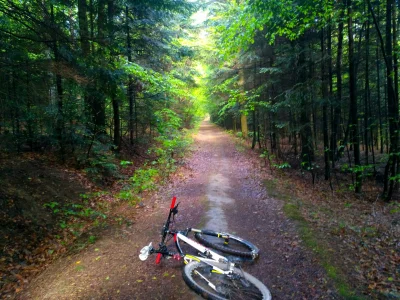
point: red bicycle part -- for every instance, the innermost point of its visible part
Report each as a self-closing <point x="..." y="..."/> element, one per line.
<point x="158" y="258"/>
<point x="173" y="202"/>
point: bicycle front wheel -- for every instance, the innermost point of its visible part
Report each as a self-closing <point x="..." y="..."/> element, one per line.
<point x="227" y="243"/>
<point x="210" y="285"/>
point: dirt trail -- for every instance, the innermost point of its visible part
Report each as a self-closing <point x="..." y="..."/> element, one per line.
<point x="220" y="187"/>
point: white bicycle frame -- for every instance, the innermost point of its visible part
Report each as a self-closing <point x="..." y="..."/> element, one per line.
<point x="218" y="263"/>
<point x="211" y="256"/>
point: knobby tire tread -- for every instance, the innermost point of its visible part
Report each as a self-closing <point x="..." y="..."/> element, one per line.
<point x="187" y="276"/>
<point x="252" y="253"/>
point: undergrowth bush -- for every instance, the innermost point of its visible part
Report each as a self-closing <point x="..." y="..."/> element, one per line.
<point x="169" y="146"/>
<point x="171" y="142"/>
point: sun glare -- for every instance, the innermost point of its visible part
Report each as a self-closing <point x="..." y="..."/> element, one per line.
<point x="199" y="17"/>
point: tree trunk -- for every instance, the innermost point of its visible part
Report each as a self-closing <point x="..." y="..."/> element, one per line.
<point x="130" y="79"/>
<point x="243" y="125"/>
<point x="253" y="144"/>
<point x="324" y="83"/>
<point x="98" y="105"/>
<point x="60" y="92"/>
<point x="112" y="85"/>
<point x="338" y="105"/>
<point x="378" y="87"/>
<point x="83" y="27"/>
<point x="391" y="172"/>
<point x="307" y="149"/>
<point x="353" y="101"/>
<point x="366" y="96"/>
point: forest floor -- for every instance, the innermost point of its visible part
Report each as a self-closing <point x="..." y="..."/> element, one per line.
<point x="222" y="186"/>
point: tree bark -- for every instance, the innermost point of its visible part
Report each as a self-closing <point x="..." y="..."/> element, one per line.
<point x="307" y="149"/>
<point x="353" y="101"/>
<point x="391" y="172"/>
<point x="83" y="27"/>
<point x="325" y="95"/>
<point x="338" y="104"/>
<point x="366" y="97"/>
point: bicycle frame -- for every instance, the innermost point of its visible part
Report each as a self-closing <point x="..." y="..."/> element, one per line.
<point x="209" y="266"/>
<point x="206" y="255"/>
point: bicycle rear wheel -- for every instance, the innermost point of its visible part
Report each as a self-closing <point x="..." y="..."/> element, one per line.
<point x="210" y="285"/>
<point x="227" y="243"/>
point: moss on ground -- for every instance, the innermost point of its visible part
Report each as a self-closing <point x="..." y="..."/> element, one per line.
<point x="292" y="209"/>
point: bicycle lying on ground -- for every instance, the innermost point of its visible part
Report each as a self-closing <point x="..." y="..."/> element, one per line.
<point x="210" y="274"/>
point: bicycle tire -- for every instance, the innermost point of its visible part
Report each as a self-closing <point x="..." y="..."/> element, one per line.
<point x="236" y="245"/>
<point x="239" y="286"/>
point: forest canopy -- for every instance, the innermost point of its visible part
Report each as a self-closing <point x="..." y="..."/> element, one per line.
<point x="313" y="83"/>
<point x="83" y="77"/>
<point x="316" y="82"/>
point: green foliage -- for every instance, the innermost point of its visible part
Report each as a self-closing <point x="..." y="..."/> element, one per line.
<point x="127" y="194"/>
<point x="284" y="165"/>
<point x="144" y="180"/>
<point x="171" y="142"/>
<point x="272" y="18"/>
<point x="168" y="122"/>
<point x="394" y="207"/>
<point x="101" y="167"/>
<point x="92" y="239"/>
<point x="64" y="96"/>
<point x="395" y="178"/>
<point x="53" y="206"/>
<point x="264" y="154"/>
<point x="125" y="163"/>
<point x="69" y="211"/>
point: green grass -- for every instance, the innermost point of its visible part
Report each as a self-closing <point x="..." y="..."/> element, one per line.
<point x="292" y="209"/>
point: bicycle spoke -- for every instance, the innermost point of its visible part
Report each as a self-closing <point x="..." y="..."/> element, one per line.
<point x="232" y="286"/>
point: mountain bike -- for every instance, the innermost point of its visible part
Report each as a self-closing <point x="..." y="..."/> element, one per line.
<point x="208" y="273"/>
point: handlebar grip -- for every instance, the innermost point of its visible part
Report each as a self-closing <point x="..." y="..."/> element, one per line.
<point x="173" y="202"/>
<point x="158" y="258"/>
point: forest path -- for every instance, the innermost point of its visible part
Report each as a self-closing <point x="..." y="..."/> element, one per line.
<point x="219" y="187"/>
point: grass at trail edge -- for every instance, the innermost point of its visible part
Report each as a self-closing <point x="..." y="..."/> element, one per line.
<point x="309" y="237"/>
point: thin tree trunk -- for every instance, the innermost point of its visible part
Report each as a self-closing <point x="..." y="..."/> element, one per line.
<point x="130" y="79"/>
<point x="353" y="101"/>
<point x="98" y="108"/>
<point x="325" y="107"/>
<point x="307" y="149"/>
<point x="366" y="97"/>
<point x="392" y="105"/>
<point x="92" y="25"/>
<point x="83" y="27"/>
<point x="338" y="104"/>
<point x="113" y="87"/>
<point x="253" y="144"/>
<point x="378" y="83"/>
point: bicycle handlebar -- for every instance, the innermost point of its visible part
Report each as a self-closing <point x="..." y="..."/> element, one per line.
<point x="173" y="202"/>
